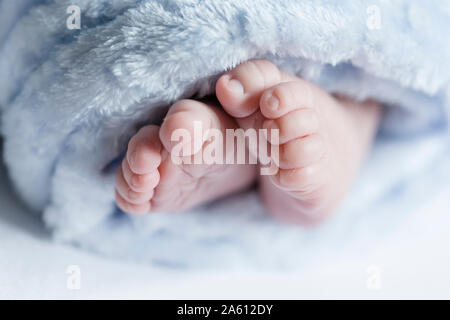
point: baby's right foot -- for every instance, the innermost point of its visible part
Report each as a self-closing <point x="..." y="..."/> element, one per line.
<point x="151" y="179"/>
<point x="322" y="140"/>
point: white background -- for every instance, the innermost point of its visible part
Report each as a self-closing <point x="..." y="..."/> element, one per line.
<point x="31" y="266"/>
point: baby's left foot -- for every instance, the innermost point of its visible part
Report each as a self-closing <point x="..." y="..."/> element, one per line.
<point x="322" y="139"/>
<point x="159" y="176"/>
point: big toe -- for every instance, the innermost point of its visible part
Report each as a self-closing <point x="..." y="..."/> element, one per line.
<point x="144" y="151"/>
<point x="186" y="126"/>
<point x="240" y="89"/>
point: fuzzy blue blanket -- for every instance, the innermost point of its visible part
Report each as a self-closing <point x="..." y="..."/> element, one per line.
<point x="74" y="88"/>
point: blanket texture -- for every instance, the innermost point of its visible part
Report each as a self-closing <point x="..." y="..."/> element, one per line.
<point x="71" y="99"/>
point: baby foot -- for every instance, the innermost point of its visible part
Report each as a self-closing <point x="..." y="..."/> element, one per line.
<point x="153" y="178"/>
<point x="322" y="139"/>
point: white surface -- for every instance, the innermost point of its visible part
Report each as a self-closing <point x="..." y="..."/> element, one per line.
<point x="31" y="266"/>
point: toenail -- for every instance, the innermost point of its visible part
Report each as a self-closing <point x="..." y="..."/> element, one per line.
<point x="272" y="102"/>
<point x="236" y="86"/>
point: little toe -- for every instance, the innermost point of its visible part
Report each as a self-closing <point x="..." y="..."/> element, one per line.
<point x="239" y="90"/>
<point x="129" y="194"/>
<point x="139" y="182"/>
<point x="128" y="207"/>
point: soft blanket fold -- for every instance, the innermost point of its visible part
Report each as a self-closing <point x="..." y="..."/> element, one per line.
<point x="71" y="99"/>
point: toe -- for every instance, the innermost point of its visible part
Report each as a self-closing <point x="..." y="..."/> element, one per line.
<point x="295" y="124"/>
<point x="130" y="195"/>
<point x="184" y="126"/>
<point x="286" y="97"/>
<point x="189" y="124"/>
<point x="301" y="152"/>
<point x="144" y="151"/>
<point x="239" y="90"/>
<point x="131" y="208"/>
<point x="139" y="182"/>
<point x="301" y="180"/>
